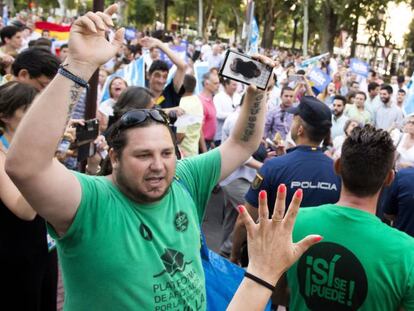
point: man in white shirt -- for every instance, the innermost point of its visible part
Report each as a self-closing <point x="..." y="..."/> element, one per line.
<point x="225" y="102"/>
<point x="215" y="59"/>
<point x="338" y="117"/>
<point x="388" y="114"/>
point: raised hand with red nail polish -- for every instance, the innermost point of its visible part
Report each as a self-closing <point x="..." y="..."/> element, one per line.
<point x="271" y="250"/>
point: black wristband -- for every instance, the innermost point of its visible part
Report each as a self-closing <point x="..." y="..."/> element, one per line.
<point x="66" y="73"/>
<point x="260" y="281"/>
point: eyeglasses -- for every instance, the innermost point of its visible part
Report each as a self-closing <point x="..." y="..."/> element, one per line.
<point x="138" y="116"/>
<point x="410" y="122"/>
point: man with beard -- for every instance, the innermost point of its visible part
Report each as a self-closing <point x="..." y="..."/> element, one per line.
<point x="130" y="240"/>
<point x="338" y="118"/>
<point x="305" y="166"/>
<point x="278" y="120"/>
<point x="388" y="115"/>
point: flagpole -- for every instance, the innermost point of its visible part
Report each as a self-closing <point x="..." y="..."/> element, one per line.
<point x="249" y="20"/>
<point x="92" y="96"/>
<point x="305" y="27"/>
<point x="92" y="93"/>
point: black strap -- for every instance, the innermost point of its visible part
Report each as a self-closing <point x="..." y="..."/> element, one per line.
<point x="260" y="281"/>
<point x="66" y="73"/>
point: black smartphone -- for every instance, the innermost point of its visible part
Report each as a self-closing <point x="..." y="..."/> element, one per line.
<point x="245" y="69"/>
<point x="85" y="137"/>
<point x="87" y="133"/>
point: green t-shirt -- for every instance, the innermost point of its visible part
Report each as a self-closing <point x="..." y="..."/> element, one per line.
<point x="120" y="255"/>
<point x="361" y="264"/>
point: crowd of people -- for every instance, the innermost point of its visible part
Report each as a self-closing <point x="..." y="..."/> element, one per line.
<point x="126" y="232"/>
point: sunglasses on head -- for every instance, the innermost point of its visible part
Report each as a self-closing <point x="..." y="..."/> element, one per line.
<point x="138" y="116"/>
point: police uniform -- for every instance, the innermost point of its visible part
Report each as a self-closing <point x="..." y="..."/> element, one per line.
<point x="399" y="201"/>
<point x="302" y="167"/>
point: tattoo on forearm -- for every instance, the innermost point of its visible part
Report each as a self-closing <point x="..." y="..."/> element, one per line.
<point x="75" y="92"/>
<point x="251" y="121"/>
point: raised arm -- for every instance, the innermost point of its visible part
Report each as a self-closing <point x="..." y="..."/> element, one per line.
<point x="47" y="185"/>
<point x="248" y="131"/>
<point x="178" y="80"/>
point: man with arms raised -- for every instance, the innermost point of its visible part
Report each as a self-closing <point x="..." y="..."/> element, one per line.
<point x="130" y="240"/>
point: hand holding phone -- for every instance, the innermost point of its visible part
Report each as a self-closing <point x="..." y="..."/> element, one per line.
<point x="246" y="69"/>
<point x="85" y="136"/>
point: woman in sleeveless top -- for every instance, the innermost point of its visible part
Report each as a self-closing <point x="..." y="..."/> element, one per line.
<point x="28" y="268"/>
<point x="405" y="148"/>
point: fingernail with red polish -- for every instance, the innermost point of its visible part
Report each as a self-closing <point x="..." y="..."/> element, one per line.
<point x="262" y="194"/>
<point x="240" y="208"/>
<point x="299" y="193"/>
<point x="318" y="239"/>
<point x="282" y="188"/>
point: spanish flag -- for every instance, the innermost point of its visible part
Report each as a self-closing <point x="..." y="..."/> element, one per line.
<point x="58" y="32"/>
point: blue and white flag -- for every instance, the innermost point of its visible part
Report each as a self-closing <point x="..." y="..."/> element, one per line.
<point x="359" y="67"/>
<point x="254" y="38"/>
<point x="5" y="15"/>
<point x="133" y="74"/>
<point x="200" y="68"/>
<point x="408" y="106"/>
<point x="313" y="60"/>
<point x="319" y="79"/>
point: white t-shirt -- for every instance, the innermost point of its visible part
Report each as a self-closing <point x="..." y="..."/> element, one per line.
<point x="107" y="107"/>
<point x="225" y="105"/>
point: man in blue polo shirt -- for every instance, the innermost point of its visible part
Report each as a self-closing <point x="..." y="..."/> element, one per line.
<point x="304" y="166"/>
<point x="399" y="201"/>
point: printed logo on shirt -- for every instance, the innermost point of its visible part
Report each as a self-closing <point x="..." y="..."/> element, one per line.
<point x="331" y="278"/>
<point x="313" y="185"/>
<point x="173" y="262"/>
<point x="177" y="291"/>
<point x="257" y="181"/>
<point x="145" y="232"/>
<point x="181" y="221"/>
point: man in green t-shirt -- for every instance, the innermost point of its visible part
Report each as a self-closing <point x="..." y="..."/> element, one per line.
<point x="362" y="263"/>
<point x="130" y="240"/>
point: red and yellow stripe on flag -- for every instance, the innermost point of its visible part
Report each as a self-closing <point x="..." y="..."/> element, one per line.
<point x="58" y="32"/>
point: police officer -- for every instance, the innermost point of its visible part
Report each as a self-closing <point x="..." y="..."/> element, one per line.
<point x="305" y="167"/>
<point x="399" y="201"/>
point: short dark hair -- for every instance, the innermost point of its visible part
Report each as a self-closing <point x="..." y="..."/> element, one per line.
<point x="367" y="157"/>
<point x="64" y="46"/>
<point x="341" y="98"/>
<point x="189" y="83"/>
<point x="316" y="134"/>
<point x="117" y="139"/>
<point x="402" y="91"/>
<point x="353" y="82"/>
<point x="8" y="32"/>
<point x="14" y="95"/>
<point x="37" y="62"/>
<point x="158" y="65"/>
<point x="43" y="42"/>
<point x="387" y="88"/>
<point x="284" y="89"/>
<point x="400" y="79"/>
<point x="361" y="93"/>
<point x="372" y="86"/>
